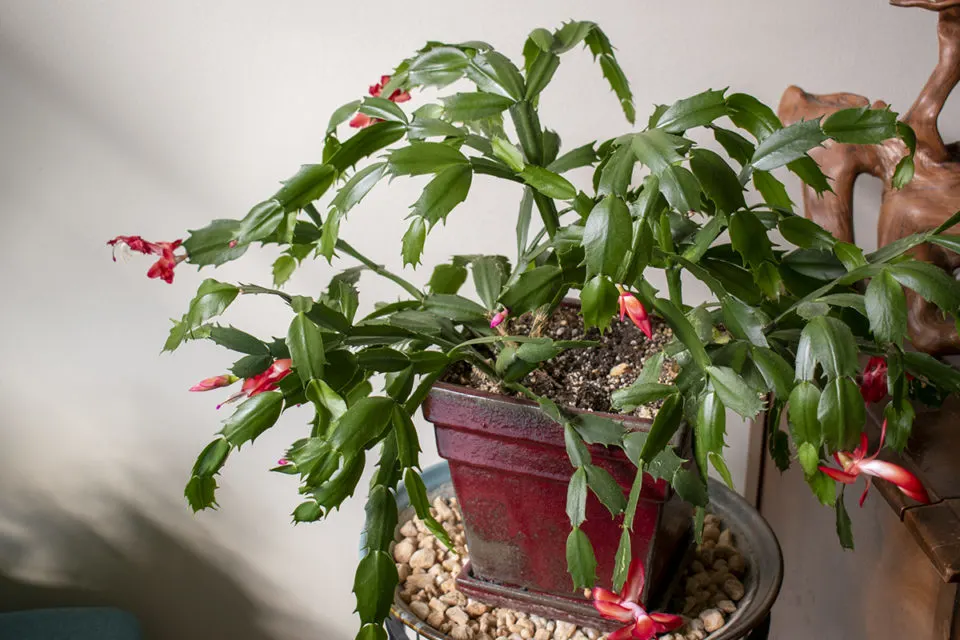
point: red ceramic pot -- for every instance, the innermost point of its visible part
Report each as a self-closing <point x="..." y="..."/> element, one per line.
<point x="510" y="472"/>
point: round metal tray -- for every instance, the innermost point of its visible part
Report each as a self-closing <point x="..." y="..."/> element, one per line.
<point x="755" y="540"/>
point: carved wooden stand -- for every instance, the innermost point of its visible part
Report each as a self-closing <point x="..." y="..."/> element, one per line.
<point x="932" y="196"/>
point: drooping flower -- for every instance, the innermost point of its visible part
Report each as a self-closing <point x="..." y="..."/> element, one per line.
<point x="362" y="120"/>
<point x="266" y="381"/>
<point x="631" y="306"/>
<point x="499" y="317"/>
<point x="216" y="382"/>
<point x="640" y="625"/>
<point x="162" y="268"/>
<point x="857" y="462"/>
<point x="873" y="382"/>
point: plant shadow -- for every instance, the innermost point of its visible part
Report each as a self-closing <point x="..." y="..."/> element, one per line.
<point x="174" y="590"/>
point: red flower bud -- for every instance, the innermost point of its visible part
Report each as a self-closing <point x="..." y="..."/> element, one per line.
<point x="632" y="307"/>
<point x="499" y="317"/>
<point x="215" y="382"/>
<point x="265" y="381"/>
<point x="873" y="383"/>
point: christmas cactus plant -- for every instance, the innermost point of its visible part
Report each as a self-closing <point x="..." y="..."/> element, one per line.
<point x="784" y="332"/>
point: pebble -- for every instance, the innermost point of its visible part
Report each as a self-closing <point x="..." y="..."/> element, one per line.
<point x="564" y="630"/>
<point x="458" y="615"/>
<point x="712" y="619"/>
<point x="403" y="550"/>
<point x="725" y="539"/>
<point x="443" y="512"/>
<point x="727" y="606"/>
<point x="419" y="581"/>
<point x="737" y="564"/>
<point x="427" y="570"/>
<point x="461" y="633"/>
<point x="618" y="370"/>
<point x="733" y="588"/>
<point x="423" y="559"/>
<point x="711" y="532"/>
<point x="420" y="609"/>
<point x="435" y="619"/>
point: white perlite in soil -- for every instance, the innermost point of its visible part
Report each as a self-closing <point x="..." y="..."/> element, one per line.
<point x="428" y="571"/>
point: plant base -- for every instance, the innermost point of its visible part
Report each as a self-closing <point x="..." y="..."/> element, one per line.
<point x="573" y="608"/>
<point x="546" y="605"/>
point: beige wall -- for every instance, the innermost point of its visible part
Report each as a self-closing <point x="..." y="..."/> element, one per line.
<point x="149" y="118"/>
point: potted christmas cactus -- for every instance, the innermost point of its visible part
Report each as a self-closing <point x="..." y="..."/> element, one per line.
<point x="788" y="325"/>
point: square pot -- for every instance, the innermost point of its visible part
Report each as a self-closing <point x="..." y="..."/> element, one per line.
<point x="510" y="471"/>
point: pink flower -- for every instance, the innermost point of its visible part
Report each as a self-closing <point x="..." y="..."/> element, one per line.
<point x="499" y="317"/>
<point x="362" y="120"/>
<point x="162" y="268"/>
<point x="631" y="306"/>
<point x="266" y="381"/>
<point x="873" y="383"/>
<point x="282" y="462"/>
<point x="215" y="382"/>
<point x="858" y="463"/>
<point x="624" y="608"/>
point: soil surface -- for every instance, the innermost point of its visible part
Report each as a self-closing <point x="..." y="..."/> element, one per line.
<point x="582" y="378"/>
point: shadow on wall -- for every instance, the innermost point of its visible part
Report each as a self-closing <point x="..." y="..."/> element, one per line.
<point x="147" y="570"/>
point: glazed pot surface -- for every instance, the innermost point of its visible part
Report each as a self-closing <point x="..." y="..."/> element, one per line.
<point x="510" y="469"/>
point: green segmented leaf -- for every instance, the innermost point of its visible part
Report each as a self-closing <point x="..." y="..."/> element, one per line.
<point x="606" y="489"/>
<point x="886" y="307"/>
<point x="695" y="111"/>
<point x="787" y="144"/>
<point x="421" y="158"/>
<point x="607" y="236"/>
<point x="383" y="109"/>
<point x="803" y="419"/>
<point x="467" y="107"/>
<point x="254" y="416"/>
<point x="362" y="424"/>
<point x="305" y="342"/>
<point x="718" y="180"/>
<point x="438" y="67"/>
<point x="577" y="497"/>
<point x="710" y="429"/>
<point x="861" y="125"/>
<point x="442" y="194"/>
<point x="665" y="424"/>
<point x="581" y="561"/>
<point x="734" y="392"/>
<point x="844" y="525"/>
<point x="375" y="580"/>
<point x="841" y="414"/>
<point x="548" y="183"/>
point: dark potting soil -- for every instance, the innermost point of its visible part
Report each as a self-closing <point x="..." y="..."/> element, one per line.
<point x="582" y="378"/>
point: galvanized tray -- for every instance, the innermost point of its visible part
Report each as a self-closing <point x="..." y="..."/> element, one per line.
<point x="755" y="540"/>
